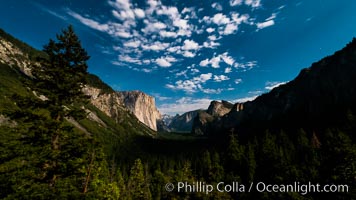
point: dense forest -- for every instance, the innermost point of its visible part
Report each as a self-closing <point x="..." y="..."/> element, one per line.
<point x="43" y="156"/>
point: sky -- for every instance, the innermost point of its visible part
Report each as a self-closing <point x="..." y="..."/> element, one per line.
<point x="188" y="53"/>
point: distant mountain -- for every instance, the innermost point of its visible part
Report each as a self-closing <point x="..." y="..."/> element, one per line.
<point x="320" y="96"/>
<point x="183" y="122"/>
<point x="203" y="120"/>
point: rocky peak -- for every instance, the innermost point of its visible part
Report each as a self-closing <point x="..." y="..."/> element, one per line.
<point x="219" y="109"/>
<point x="183" y="122"/>
<point x="108" y="103"/>
<point x="142" y="106"/>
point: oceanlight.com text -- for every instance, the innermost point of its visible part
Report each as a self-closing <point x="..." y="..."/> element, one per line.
<point x="236" y="187"/>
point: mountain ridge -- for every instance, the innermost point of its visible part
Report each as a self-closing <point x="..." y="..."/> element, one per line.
<point x="329" y="85"/>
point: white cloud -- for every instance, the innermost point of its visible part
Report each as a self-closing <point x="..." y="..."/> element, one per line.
<point x="175" y="49"/>
<point x="212" y="37"/>
<point x="256" y="92"/>
<point x="220" y="78"/>
<point x="146" y="61"/>
<point x="156" y="46"/>
<point x="147" y="70"/>
<point x="139" y="13"/>
<point x="192" y="85"/>
<point x="245" y="66"/>
<point x="215" y="61"/>
<point x="190" y="45"/>
<point x="168" y="34"/>
<point x="171" y="59"/>
<point x="124" y="15"/>
<point x="228" y="70"/>
<point x="270" y="85"/>
<point x="184" y="104"/>
<point x="89" y="22"/>
<point x="194" y="71"/>
<point x="133" y="43"/>
<point x="182" y="73"/>
<point x="51" y="12"/>
<point x="170" y="11"/>
<point x="273" y="16"/>
<point x="122" y="34"/>
<point x="202" y="78"/>
<point x="163" y="62"/>
<point x="220" y="19"/>
<point x="253" y="3"/>
<point x="265" y="24"/>
<point x="227" y="59"/>
<point x="158" y="25"/>
<point x="238" y="81"/>
<point x="126" y="58"/>
<point x="160" y="97"/>
<point x="212" y="91"/>
<point x="210" y="30"/>
<point x="235" y="2"/>
<point x="229" y="29"/>
<point x="181" y="23"/>
<point x="188" y="86"/>
<point x="204" y="63"/>
<point x="245" y="99"/>
<point x="238" y="19"/>
<point x="188" y="54"/>
<point x="121" y="4"/>
<point x="217" y="6"/>
<point x="154" y="28"/>
<point x="211" y="44"/>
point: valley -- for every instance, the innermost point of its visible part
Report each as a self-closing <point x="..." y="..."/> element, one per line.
<point x="84" y="140"/>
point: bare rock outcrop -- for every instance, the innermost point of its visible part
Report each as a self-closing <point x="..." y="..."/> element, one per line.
<point x="13" y="56"/>
<point x="142" y="106"/>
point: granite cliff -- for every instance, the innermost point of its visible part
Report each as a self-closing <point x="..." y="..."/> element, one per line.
<point x="183" y="122"/>
<point x="142" y="106"/>
<point x="205" y="119"/>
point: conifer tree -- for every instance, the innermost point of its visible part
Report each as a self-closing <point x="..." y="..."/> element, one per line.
<point x="61" y="75"/>
<point x="137" y="186"/>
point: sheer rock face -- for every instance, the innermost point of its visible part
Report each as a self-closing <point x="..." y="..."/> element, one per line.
<point x="183" y="122"/>
<point x="219" y="109"/>
<point x="13" y="56"/>
<point x="142" y="106"/>
<point x="108" y="103"/>
<point x="204" y="120"/>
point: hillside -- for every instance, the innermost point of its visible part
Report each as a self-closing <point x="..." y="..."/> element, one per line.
<point x="23" y="110"/>
<point x="319" y="97"/>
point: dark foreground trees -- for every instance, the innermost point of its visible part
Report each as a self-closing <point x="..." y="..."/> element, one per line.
<point x="44" y="156"/>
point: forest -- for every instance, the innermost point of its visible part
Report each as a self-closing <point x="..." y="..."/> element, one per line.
<point x="43" y="156"/>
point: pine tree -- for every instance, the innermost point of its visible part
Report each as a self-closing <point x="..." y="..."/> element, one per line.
<point x="206" y="165"/>
<point x="137" y="185"/>
<point x="61" y="75"/>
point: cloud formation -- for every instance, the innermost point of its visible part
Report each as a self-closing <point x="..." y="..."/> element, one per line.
<point x="183" y="105"/>
<point x="270" y="85"/>
<point x="186" y="44"/>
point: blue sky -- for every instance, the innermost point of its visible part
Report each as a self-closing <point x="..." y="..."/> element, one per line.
<point x="187" y="53"/>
